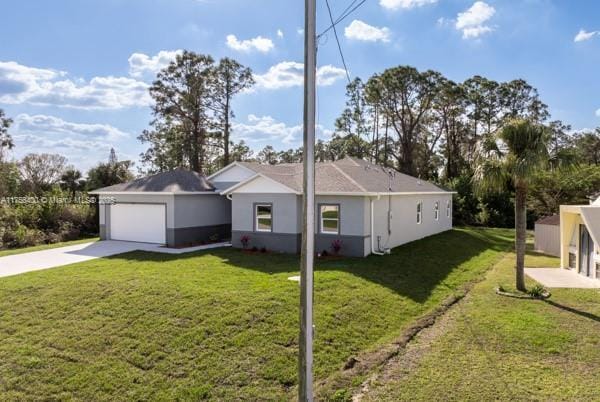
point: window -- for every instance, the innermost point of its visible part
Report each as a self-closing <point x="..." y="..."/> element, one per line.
<point x="436" y="210"/>
<point x="419" y="212"/>
<point x="448" y="209"/>
<point x="330" y="218"/>
<point x="263" y="218"/>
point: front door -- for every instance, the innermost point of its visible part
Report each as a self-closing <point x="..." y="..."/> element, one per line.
<point x="586" y="252"/>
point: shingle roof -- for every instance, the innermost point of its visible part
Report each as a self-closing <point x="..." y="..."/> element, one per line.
<point x="348" y="175"/>
<point x="553" y="220"/>
<point x="174" y="181"/>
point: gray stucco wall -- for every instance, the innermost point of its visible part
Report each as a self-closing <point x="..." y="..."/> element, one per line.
<point x="201" y="210"/>
<point x="287" y="223"/>
<point x="286" y="211"/>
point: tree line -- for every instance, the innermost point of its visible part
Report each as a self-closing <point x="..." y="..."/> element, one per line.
<point x="43" y="199"/>
<point x="417" y="122"/>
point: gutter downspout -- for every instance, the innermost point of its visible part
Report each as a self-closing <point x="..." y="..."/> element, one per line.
<point x="373" y="251"/>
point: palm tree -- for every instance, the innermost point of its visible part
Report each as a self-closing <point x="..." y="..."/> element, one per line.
<point x="71" y="180"/>
<point x="512" y="156"/>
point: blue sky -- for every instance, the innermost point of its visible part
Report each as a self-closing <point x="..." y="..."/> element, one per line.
<point x="73" y="74"/>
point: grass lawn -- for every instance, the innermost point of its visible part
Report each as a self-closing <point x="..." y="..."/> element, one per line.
<point x="219" y="324"/>
<point x="497" y="348"/>
<point x="4" y="253"/>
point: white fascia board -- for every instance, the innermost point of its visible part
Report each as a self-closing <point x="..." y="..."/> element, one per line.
<point x="379" y="194"/>
<point x="152" y="193"/>
<point x="252" y="178"/>
<point x="226" y="168"/>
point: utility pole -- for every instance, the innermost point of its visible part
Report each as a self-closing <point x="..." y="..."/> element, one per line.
<point x="305" y="358"/>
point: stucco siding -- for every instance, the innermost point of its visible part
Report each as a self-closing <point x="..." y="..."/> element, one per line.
<point x="404" y="225"/>
<point x="547" y="239"/>
<point x="201" y="210"/>
<point x="352" y="213"/>
<point x="355" y="221"/>
<point x="285" y="211"/>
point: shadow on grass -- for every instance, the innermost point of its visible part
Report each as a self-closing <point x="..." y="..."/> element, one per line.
<point x="413" y="270"/>
<point x="573" y="310"/>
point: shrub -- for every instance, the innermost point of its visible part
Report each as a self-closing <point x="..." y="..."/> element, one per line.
<point x="336" y="246"/>
<point x="263" y="249"/>
<point x="245" y="240"/>
<point x="255" y="249"/>
<point x="538" y="291"/>
<point x="324" y="253"/>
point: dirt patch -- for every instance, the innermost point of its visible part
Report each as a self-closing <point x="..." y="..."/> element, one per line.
<point x="397" y="358"/>
<point x="364" y="364"/>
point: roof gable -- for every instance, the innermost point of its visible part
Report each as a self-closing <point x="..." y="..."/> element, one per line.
<point x="260" y="184"/>
<point x="234" y="172"/>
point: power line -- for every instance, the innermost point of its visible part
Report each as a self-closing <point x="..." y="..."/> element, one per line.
<point x="342" y="16"/>
<point x="338" y="41"/>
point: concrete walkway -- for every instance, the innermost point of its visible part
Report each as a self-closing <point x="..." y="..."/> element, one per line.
<point x="561" y="278"/>
<point x="56" y="257"/>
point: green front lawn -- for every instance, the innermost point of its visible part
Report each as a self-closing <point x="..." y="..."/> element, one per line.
<point x="498" y="348"/>
<point x="4" y="253"/>
<point x="220" y="324"/>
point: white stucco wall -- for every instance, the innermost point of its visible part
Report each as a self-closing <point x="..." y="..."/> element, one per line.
<point x="404" y="218"/>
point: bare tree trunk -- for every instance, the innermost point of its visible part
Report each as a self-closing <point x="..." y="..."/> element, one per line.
<point x="226" y="133"/>
<point x="521" y="233"/>
<point x="385" y="144"/>
<point x="194" y="157"/>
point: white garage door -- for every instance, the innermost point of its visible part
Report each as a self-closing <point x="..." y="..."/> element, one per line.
<point x="145" y="223"/>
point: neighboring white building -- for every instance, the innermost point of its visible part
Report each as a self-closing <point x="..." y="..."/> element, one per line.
<point x="580" y="238"/>
<point x="547" y="235"/>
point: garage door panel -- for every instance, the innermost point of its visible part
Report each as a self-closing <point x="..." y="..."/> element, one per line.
<point x="144" y="223"/>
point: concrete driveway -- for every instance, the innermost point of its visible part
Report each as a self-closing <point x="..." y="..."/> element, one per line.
<point x="561" y="278"/>
<point x="56" y="257"/>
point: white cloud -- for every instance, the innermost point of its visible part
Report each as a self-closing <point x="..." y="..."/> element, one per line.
<point x="36" y="86"/>
<point x="265" y="130"/>
<point x="43" y="124"/>
<point x="288" y="74"/>
<point x="141" y="65"/>
<point x="38" y="143"/>
<point x="83" y="143"/>
<point x="300" y="31"/>
<point x="598" y="112"/>
<point x="359" y="30"/>
<point x="280" y="33"/>
<point x="405" y="4"/>
<point x="263" y="45"/>
<point x="328" y="75"/>
<point x="472" y="21"/>
<point x="582" y="35"/>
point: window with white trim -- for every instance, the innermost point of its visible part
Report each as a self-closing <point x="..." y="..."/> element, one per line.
<point x="436" y="210"/>
<point x="263" y="217"/>
<point x="419" y="212"/>
<point x="330" y="218"/>
<point x="448" y="208"/>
